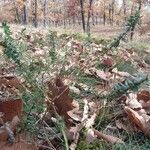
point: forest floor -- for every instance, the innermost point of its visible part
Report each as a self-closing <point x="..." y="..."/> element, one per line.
<point x="76" y="93"/>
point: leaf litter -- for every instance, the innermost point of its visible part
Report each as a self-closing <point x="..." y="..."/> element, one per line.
<point x="59" y="102"/>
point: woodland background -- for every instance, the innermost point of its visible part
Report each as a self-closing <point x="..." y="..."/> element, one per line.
<point x="64" y="13"/>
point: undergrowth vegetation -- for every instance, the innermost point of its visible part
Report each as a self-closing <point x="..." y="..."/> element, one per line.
<point x="89" y="69"/>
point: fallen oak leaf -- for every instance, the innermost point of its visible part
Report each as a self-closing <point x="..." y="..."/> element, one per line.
<point x="135" y="118"/>
<point x="61" y="100"/>
<point x="108" y="138"/>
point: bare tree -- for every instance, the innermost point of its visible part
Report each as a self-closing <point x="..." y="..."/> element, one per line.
<point x="82" y="14"/>
<point x="124" y="9"/>
<point x="24" y="13"/>
<point x="34" y="13"/>
<point x="45" y="12"/>
<point x="89" y="15"/>
<point x="104" y="13"/>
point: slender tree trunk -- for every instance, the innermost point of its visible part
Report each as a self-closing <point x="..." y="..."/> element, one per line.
<point x="124" y="9"/>
<point x="34" y="12"/>
<point x="82" y="14"/>
<point x="104" y="14"/>
<point x="93" y="18"/>
<point x="44" y="12"/>
<point x="17" y="16"/>
<point x="140" y="4"/>
<point x="112" y="12"/>
<point x="89" y="15"/>
<point x="133" y="28"/>
<point x="24" y="14"/>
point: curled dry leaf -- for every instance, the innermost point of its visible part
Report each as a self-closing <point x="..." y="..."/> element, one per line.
<point x="132" y="102"/>
<point x="90" y="136"/>
<point x="108" y="61"/>
<point x="71" y="133"/>
<point x="120" y="73"/>
<point x="79" y="127"/>
<point x="139" y="120"/>
<point x="103" y="75"/>
<point x="74" y="89"/>
<point x="147" y="129"/>
<point x="144" y="95"/>
<point x="145" y="104"/>
<point x="108" y="138"/>
<point x="99" y="73"/>
<point x="135" y="117"/>
<point x="11" y="108"/>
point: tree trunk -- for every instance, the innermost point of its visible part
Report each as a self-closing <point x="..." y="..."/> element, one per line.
<point x="82" y="14"/>
<point x="24" y="14"/>
<point x="89" y="15"/>
<point x="109" y="13"/>
<point x="44" y="12"/>
<point x="112" y="12"/>
<point x="133" y="28"/>
<point x="17" y="16"/>
<point x="124" y="9"/>
<point x="104" y="14"/>
<point x="35" y="22"/>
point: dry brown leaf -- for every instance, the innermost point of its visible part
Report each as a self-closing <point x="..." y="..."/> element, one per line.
<point x="120" y="73"/>
<point x="146" y="105"/>
<point x="72" y="132"/>
<point x="132" y="102"/>
<point x="20" y="144"/>
<point x="90" y="136"/>
<point x="10" y="81"/>
<point x="61" y="99"/>
<point x="74" y="116"/>
<point x="102" y="75"/>
<point x="11" y="108"/>
<point x="80" y="126"/>
<point x="147" y="129"/>
<point x="143" y="95"/>
<point x="135" y="117"/>
<point x="108" y="138"/>
<point x="74" y="89"/>
<point x="90" y="121"/>
<point x="108" y="61"/>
